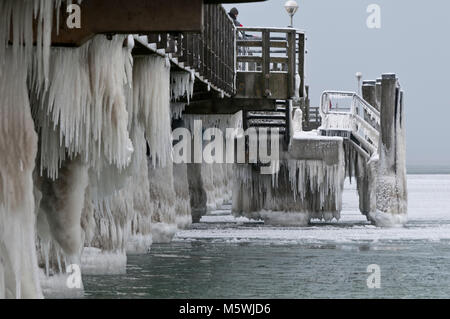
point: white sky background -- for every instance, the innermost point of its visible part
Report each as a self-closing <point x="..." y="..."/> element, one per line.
<point x="413" y="42"/>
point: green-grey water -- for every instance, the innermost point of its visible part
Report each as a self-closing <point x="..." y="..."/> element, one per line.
<point x="222" y="258"/>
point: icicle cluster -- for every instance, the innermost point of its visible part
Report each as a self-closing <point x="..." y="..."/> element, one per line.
<point x="25" y="38"/>
<point x="181" y="84"/>
<point x="151" y="104"/>
<point x="316" y="177"/>
<point x="216" y="178"/>
<point x="177" y="109"/>
<point x="302" y="190"/>
<point x="83" y="112"/>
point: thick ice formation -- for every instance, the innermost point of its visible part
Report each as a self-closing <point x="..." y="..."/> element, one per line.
<point x="183" y="201"/>
<point x="391" y="191"/>
<point x="18" y="147"/>
<point x="163" y="203"/>
<point x="90" y="188"/>
<point x="217" y="183"/>
<point x="139" y="233"/>
<point x="151" y="104"/>
<point x="302" y="190"/>
<point x="59" y="214"/>
<point x="90" y="117"/>
<point x="18" y="262"/>
<point x="210" y="184"/>
<point x="82" y="120"/>
<point x="17" y="20"/>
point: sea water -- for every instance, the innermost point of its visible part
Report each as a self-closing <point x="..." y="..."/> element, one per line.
<point x="224" y="257"/>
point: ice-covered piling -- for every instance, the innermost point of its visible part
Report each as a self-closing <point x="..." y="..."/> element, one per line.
<point x="308" y="185"/>
<point x="210" y="184"/>
<point x="197" y="192"/>
<point x="391" y="188"/>
<point x="18" y="149"/>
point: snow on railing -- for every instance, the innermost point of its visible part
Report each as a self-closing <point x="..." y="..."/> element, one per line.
<point x="347" y="111"/>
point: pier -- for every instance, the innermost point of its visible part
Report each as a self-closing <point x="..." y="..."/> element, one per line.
<point x="87" y="170"/>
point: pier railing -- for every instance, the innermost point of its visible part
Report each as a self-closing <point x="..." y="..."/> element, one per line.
<point x="313" y="120"/>
<point x="269" y="62"/>
<point x="346" y="114"/>
<point x="210" y="54"/>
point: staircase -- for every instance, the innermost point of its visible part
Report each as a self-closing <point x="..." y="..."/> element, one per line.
<point x="267" y="120"/>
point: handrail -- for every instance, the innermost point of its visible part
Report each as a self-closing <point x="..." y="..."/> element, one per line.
<point x="266" y="51"/>
<point x="271" y="29"/>
<point x="352" y="95"/>
<point x="361" y="118"/>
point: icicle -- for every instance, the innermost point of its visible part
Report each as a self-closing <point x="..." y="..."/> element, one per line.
<point x="84" y="111"/>
<point x="151" y="105"/>
<point x="177" y="109"/>
<point x="181" y="85"/>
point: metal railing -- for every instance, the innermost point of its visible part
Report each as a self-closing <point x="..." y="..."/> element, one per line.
<point x="348" y="112"/>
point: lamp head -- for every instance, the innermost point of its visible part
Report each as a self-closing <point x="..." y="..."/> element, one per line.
<point x="291" y="7"/>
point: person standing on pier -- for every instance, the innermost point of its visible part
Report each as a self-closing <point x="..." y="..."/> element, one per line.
<point x="233" y="15"/>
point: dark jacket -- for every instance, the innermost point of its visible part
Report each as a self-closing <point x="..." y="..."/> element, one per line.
<point x="236" y="22"/>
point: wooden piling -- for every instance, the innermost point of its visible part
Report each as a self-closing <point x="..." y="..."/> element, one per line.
<point x="378" y="93"/>
<point x="391" y="180"/>
<point x="368" y="92"/>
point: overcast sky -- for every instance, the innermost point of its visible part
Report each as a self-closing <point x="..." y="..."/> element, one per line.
<point x="413" y="42"/>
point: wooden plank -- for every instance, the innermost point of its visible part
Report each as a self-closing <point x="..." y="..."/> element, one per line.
<point x="260" y="29"/>
<point x="128" y="17"/>
<point x="249" y="58"/>
<point x="267" y="117"/>
<point x="229" y="106"/>
<point x="258" y="43"/>
<point x="230" y="1"/>
<point x="277" y="59"/>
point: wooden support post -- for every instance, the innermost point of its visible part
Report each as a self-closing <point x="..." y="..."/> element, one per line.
<point x="391" y="198"/>
<point x="378" y="94"/>
<point x="162" y="44"/>
<point x="288" y="116"/>
<point x="368" y="92"/>
<point x="301" y="62"/>
<point x="387" y="119"/>
<point x="153" y="38"/>
<point x="305" y="109"/>
<point x="189" y="49"/>
<point x="266" y="63"/>
<point x="291" y="62"/>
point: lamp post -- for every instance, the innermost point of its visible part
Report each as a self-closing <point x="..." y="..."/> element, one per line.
<point x="291" y="7"/>
<point x="358" y="78"/>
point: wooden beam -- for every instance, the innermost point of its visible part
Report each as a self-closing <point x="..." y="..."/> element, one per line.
<point x="258" y="43"/>
<point x="231" y="1"/>
<point x="130" y="16"/>
<point x="301" y="62"/>
<point x="229" y="106"/>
